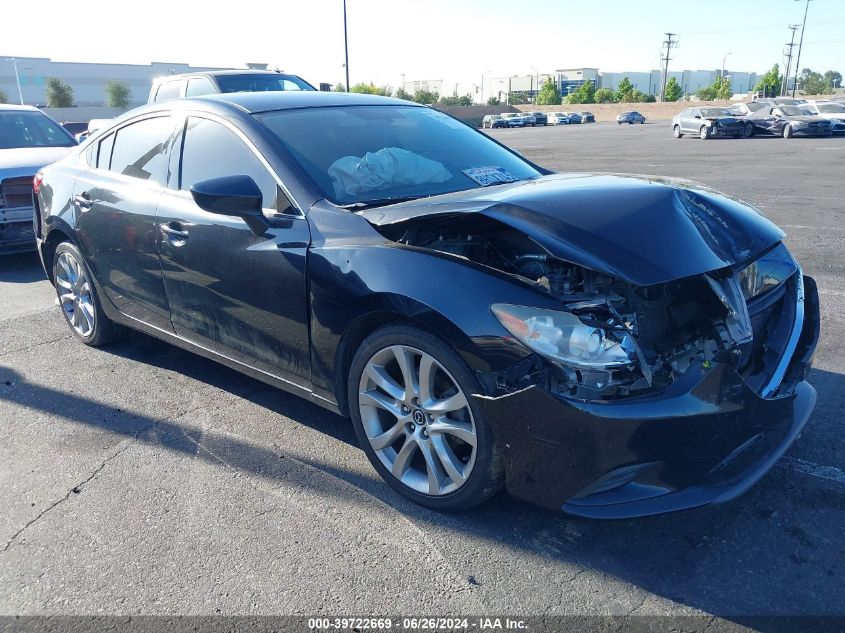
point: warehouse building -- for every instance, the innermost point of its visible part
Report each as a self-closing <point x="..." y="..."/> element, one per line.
<point x="87" y="80"/>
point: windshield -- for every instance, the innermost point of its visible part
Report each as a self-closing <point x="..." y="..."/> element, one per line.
<point x="714" y="112"/>
<point x="261" y="83"/>
<point x="753" y="106"/>
<point x="833" y="108"/>
<point x="792" y="111"/>
<point x="31" y="129"/>
<point x="374" y="154"/>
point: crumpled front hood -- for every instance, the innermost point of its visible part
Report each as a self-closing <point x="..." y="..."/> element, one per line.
<point x="28" y="160"/>
<point x="645" y="230"/>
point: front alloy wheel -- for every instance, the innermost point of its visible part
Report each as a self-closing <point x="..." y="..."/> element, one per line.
<point x="704" y="132"/>
<point x="409" y="395"/>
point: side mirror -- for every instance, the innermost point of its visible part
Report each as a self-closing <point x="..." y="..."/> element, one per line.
<point x="232" y="195"/>
<point x="697" y="116"/>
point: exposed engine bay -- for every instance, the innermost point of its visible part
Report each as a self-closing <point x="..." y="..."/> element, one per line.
<point x="661" y="329"/>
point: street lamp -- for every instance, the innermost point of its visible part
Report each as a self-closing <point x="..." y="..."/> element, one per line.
<point x="724" y="59"/>
<point x="481" y="97"/>
<point x="800" y="43"/>
<point x="345" y="46"/>
<point x="17" y="78"/>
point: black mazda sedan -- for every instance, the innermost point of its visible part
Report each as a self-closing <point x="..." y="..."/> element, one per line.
<point x="605" y="345"/>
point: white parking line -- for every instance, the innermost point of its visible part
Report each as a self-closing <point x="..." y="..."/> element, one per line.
<point x="831" y="473"/>
<point x="806" y="226"/>
<point x="836" y="293"/>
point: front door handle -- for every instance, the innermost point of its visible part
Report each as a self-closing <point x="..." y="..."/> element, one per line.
<point x="83" y="201"/>
<point x="175" y="233"/>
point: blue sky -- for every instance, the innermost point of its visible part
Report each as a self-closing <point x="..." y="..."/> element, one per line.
<point x="454" y="40"/>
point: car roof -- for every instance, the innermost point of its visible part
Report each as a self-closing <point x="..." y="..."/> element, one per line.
<point x="13" y="106"/>
<point x="220" y="73"/>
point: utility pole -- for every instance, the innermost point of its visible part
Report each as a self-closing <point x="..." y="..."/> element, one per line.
<point x="800" y="44"/>
<point x="669" y="44"/>
<point x="785" y="87"/>
<point x="345" y="46"/>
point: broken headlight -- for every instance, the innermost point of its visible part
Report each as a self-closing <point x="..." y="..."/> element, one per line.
<point x="564" y="339"/>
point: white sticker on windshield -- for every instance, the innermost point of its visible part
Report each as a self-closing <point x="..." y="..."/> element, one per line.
<point x="485" y="176"/>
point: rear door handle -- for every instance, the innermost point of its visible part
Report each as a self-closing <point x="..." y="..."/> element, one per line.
<point x="174" y="232"/>
<point x="83" y="201"/>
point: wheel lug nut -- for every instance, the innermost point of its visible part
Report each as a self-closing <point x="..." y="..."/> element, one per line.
<point x="413" y="428"/>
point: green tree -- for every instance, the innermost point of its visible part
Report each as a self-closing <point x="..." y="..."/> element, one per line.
<point x="339" y="87"/>
<point x="815" y="84"/>
<point x="719" y="89"/>
<point x="401" y="93"/>
<point x="372" y="89"/>
<point x="59" y="94"/>
<point x="604" y="95"/>
<point x="771" y="80"/>
<point x="3" y="97"/>
<point x="494" y="101"/>
<point x="673" y="90"/>
<point x="624" y="90"/>
<point x="117" y="94"/>
<point x="455" y="100"/>
<point x="549" y="93"/>
<point x="649" y="99"/>
<point x="834" y="77"/>
<point x="426" y="97"/>
<point x="517" y="98"/>
<point x="586" y="93"/>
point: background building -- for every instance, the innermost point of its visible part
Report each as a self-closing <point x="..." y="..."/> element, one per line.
<point x="87" y="80"/>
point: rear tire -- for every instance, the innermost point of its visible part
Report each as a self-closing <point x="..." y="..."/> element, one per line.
<point x="78" y="298"/>
<point x="402" y="420"/>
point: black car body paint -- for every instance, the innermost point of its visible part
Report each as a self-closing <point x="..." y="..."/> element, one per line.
<point x="705" y="419"/>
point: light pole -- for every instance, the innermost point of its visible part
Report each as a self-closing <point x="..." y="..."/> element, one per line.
<point x="800" y="43"/>
<point x="345" y="46"/>
<point x="481" y="98"/>
<point x="724" y="59"/>
<point x="17" y="78"/>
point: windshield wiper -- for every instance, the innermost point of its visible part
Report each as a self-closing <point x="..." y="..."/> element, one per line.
<point x="370" y="204"/>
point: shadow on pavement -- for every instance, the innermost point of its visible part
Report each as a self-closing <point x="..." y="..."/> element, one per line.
<point x="776" y="551"/>
<point x="23" y="268"/>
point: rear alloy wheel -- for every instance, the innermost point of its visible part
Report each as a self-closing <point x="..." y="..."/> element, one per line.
<point x="704" y="133"/>
<point x="409" y="400"/>
<point x="677" y="131"/>
<point x="787" y="131"/>
<point x="78" y="299"/>
<point x="748" y="130"/>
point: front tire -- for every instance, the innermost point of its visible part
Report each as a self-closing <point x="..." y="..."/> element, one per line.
<point x="704" y="133"/>
<point x="748" y="130"/>
<point x="411" y="406"/>
<point x="787" y="131"/>
<point x="676" y="131"/>
<point x="78" y="298"/>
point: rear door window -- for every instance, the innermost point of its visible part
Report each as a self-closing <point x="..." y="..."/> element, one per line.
<point x="140" y="149"/>
<point x="198" y="86"/>
<point x="169" y="90"/>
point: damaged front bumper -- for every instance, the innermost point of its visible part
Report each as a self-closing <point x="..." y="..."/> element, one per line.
<point x="707" y="438"/>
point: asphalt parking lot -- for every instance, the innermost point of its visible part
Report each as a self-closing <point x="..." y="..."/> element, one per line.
<point x="139" y="479"/>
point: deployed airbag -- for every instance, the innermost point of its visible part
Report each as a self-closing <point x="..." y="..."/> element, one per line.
<point x="391" y="166"/>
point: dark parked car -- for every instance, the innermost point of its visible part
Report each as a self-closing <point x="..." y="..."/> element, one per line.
<point x="630" y="118"/>
<point x="707" y="122"/>
<point x="75" y="127"/>
<point x="587" y="117"/>
<point x="607" y="345"/>
<point x="788" y="121"/>
<point x="224" y="81"/>
<point x="540" y="118"/>
<point x="29" y="139"/>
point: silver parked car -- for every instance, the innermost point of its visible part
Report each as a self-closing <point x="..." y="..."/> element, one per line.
<point x="630" y="118"/>
<point x="513" y="119"/>
<point x="29" y="140"/>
